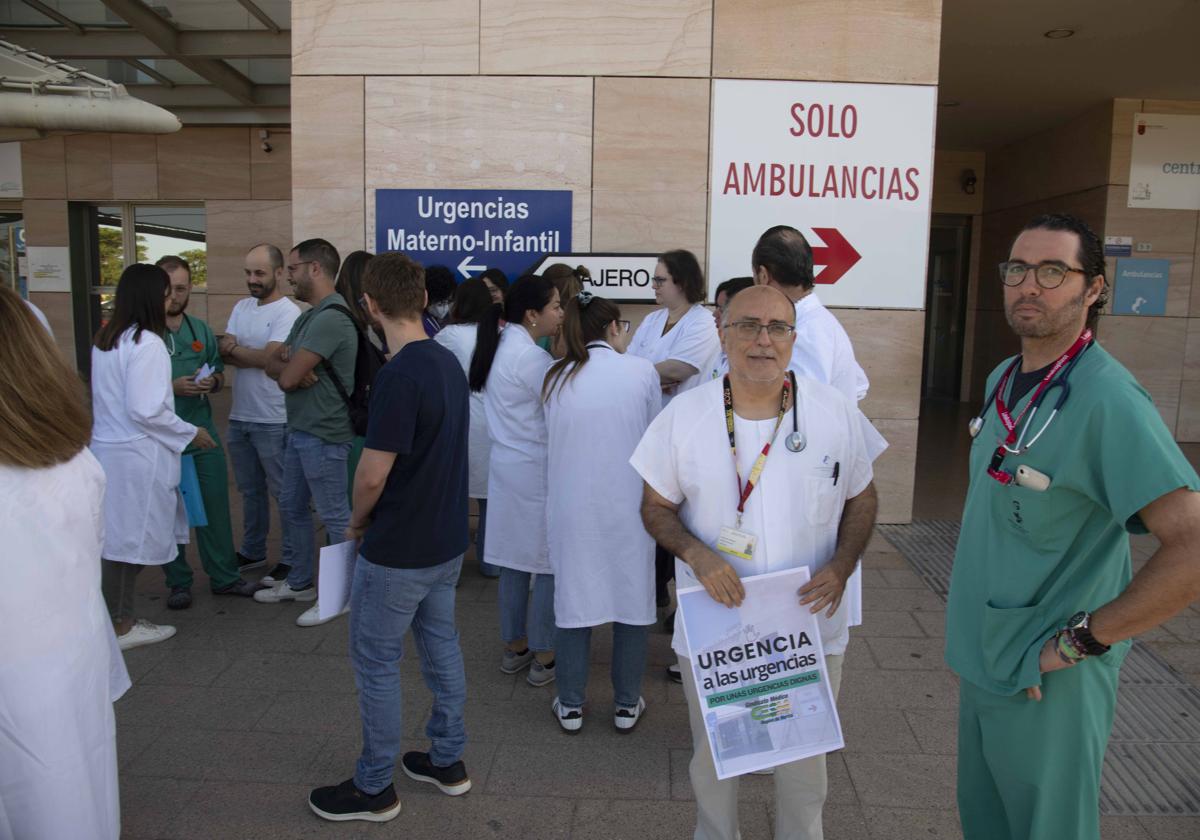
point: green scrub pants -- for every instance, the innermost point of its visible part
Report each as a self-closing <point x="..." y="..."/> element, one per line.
<point x="1030" y="770"/>
<point x="214" y="541"/>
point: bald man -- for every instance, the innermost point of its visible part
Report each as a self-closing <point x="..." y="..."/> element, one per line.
<point x="814" y="505"/>
<point x="257" y="329"/>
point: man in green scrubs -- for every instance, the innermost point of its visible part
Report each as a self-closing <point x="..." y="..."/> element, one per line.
<point x="192" y="345"/>
<point x="1042" y="601"/>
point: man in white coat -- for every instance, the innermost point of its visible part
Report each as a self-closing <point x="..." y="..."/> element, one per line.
<point x="813" y="504"/>
<point x="783" y="259"/>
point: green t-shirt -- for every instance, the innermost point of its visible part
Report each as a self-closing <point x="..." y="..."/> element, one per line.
<point x="1028" y="560"/>
<point x="320" y="410"/>
<point x="192" y="346"/>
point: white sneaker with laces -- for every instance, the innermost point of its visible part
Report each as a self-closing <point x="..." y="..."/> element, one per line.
<point x="282" y="592"/>
<point x="627" y="717"/>
<point x="311" y="617"/>
<point x="145" y="633"/>
<point x="568" y="717"/>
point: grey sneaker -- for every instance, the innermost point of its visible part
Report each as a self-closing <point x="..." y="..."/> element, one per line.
<point x="514" y="663"/>
<point x="540" y="674"/>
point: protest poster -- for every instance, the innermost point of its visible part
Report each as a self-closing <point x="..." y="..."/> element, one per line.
<point x="759" y="671"/>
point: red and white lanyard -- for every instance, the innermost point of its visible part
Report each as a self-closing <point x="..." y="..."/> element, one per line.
<point x="744" y="490"/>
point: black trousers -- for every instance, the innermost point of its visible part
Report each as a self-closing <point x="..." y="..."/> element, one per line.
<point x="664" y="573"/>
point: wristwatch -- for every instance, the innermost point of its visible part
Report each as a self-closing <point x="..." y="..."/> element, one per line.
<point x="1077" y="627"/>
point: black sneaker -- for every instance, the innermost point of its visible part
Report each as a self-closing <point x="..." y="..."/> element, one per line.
<point x="452" y="780"/>
<point x="180" y="598"/>
<point x="346" y="802"/>
<point x="246" y="564"/>
<point x="278" y="574"/>
<point x="674" y="674"/>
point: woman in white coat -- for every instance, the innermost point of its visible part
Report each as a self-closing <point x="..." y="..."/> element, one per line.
<point x="472" y="302"/>
<point x="61" y="670"/>
<point x="599" y="403"/>
<point x="681" y="340"/>
<point x="138" y="439"/>
<point x="510" y="369"/>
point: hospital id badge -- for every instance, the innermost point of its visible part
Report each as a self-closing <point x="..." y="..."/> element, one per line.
<point x="737" y="543"/>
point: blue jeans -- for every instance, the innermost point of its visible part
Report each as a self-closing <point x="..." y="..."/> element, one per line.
<point x="486" y="569"/>
<point x="256" y="450"/>
<point x="514" y="608"/>
<point x="384" y="603"/>
<point x="315" y="471"/>
<point x="572" y="652"/>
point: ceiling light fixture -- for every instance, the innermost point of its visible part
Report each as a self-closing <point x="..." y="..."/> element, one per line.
<point x="1058" y="34"/>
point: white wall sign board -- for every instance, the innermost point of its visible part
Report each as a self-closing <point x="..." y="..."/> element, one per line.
<point x="10" y="170"/>
<point x="848" y="165"/>
<point x="622" y="278"/>
<point x="1164" y="169"/>
<point x="49" y="268"/>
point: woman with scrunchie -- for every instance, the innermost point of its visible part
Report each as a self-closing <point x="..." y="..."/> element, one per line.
<point x="599" y="402"/>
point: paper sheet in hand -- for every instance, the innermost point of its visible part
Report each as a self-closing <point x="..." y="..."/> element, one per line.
<point x="336" y="574"/>
<point x="206" y="370"/>
<point x="759" y="672"/>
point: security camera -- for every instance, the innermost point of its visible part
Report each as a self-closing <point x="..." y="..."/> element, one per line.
<point x="263" y="134"/>
<point x="968" y="181"/>
<point x="266" y="147"/>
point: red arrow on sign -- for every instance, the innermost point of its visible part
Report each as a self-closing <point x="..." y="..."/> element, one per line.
<point x="838" y="256"/>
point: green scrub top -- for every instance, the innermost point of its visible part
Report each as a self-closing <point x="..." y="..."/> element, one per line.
<point x="191" y="347"/>
<point x="1028" y="560"/>
<point x="320" y="410"/>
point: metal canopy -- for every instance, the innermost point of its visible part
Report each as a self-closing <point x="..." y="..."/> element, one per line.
<point x="208" y="61"/>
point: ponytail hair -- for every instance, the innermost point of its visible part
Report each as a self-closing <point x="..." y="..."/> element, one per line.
<point x="586" y="320"/>
<point x="530" y="292"/>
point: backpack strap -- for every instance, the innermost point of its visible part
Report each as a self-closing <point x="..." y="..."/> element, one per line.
<point x="325" y="364"/>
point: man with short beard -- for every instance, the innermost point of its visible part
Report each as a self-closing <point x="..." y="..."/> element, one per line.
<point x="1041" y="606"/>
<point x="812" y="503"/>
<point x="316" y="360"/>
<point x="257" y="328"/>
<point x="192" y="345"/>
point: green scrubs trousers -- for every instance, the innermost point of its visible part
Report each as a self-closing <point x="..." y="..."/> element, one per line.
<point x="1030" y="770"/>
<point x="215" y="540"/>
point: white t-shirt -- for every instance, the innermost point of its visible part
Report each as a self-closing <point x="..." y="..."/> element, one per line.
<point x="693" y="341"/>
<point x="256" y="396"/>
<point x="796" y="508"/>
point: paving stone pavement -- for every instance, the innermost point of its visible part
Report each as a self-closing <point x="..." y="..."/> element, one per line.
<point x="230" y="724"/>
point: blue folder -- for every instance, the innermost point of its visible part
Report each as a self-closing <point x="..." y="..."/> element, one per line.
<point x="189" y="487"/>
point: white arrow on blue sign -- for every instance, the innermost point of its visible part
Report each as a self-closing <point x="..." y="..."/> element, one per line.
<point x="471" y="231"/>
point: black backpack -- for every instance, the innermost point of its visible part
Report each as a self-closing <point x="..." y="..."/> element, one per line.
<point x="367" y="362"/>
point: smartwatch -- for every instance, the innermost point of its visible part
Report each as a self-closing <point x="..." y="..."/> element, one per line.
<point x="1077" y="626"/>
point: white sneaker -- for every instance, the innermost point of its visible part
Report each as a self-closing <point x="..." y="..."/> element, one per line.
<point x="145" y="633"/>
<point x="539" y="674"/>
<point x="627" y="717"/>
<point x="283" y="592"/>
<point x="568" y="717"/>
<point x="311" y="617"/>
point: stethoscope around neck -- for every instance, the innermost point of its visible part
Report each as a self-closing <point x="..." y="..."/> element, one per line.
<point x="1064" y="391"/>
<point x="796" y="441"/>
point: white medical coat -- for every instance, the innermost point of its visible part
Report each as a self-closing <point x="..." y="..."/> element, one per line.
<point x="693" y="340"/>
<point x="796" y="508"/>
<point x="459" y="339"/>
<point x="61" y="669"/>
<point x="138" y="438"/>
<point x="603" y="558"/>
<point x="512" y="401"/>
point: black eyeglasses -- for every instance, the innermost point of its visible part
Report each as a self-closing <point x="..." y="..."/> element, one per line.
<point x="623" y="325"/>
<point x="749" y="330"/>
<point x="657" y="281"/>
<point x="1049" y="275"/>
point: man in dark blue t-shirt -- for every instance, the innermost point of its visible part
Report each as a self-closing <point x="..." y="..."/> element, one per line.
<point x="410" y="511"/>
